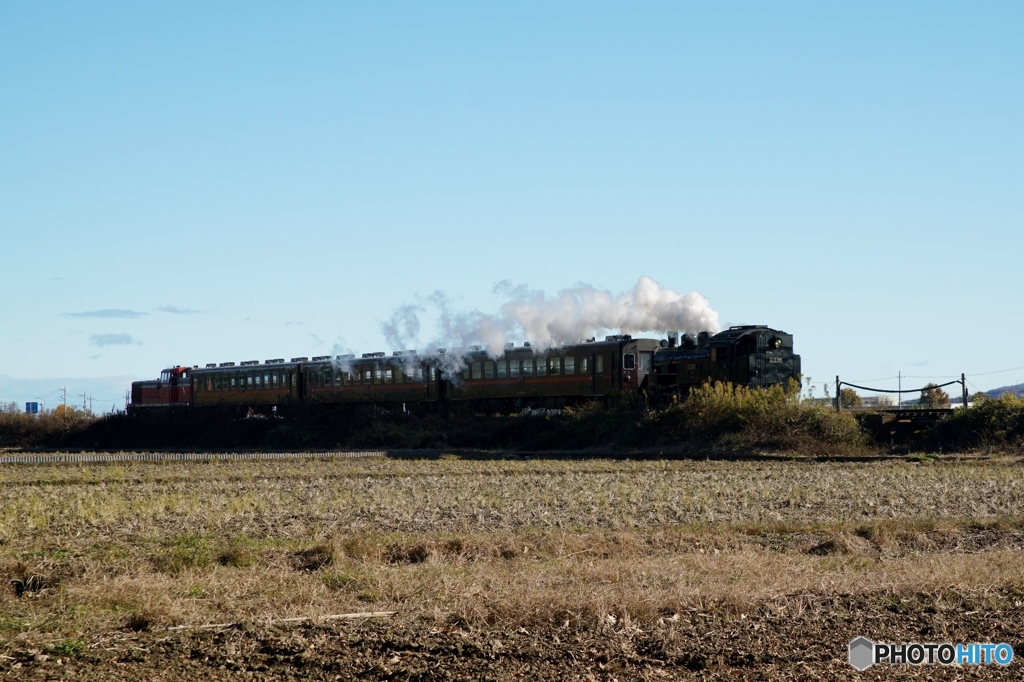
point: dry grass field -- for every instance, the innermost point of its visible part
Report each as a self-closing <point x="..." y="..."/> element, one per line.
<point x="503" y="568"/>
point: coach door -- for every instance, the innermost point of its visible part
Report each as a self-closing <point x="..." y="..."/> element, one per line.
<point x="441" y="382"/>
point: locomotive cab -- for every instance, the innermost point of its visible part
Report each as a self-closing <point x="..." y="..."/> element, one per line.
<point x="174" y="387"/>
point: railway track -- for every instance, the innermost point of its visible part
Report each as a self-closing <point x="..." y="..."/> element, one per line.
<point x="71" y="458"/>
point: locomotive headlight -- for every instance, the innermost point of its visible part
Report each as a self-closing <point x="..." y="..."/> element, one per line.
<point x="776" y="342"/>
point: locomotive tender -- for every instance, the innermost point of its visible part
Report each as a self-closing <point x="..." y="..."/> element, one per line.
<point x="522" y="376"/>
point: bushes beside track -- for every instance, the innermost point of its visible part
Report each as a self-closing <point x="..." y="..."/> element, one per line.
<point x="737" y="417"/>
<point x="20" y="430"/>
<point x="719" y="416"/>
<point x="992" y="423"/>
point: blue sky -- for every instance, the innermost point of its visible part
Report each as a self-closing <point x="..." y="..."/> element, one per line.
<point x="182" y="184"/>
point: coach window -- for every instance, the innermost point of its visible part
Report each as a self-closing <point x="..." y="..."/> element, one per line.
<point x="583" y="365"/>
<point x="232" y="383"/>
<point x="599" y="364"/>
<point x="488" y="369"/>
<point x="389" y="376"/>
<point x="251" y="382"/>
<point x="257" y="381"/>
<point x="528" y="368"/>
<point x="377" y="375"/>
<point x="433" y="374"/>
<point x="554" y="366"/>
<point x="216" y="383"/>
<point x="477" y="370"/>
<point x="570" y="365"/>
<point x="366" y="376"/>
<point x="628" y="361"/>
<point x="502" y="369"/>
<point x="542" y="367"/>
<point x="513" y="369"/>
<point x="646" y="361"/>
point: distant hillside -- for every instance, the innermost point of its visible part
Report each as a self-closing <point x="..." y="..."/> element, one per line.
<point x="1017" y="390"/>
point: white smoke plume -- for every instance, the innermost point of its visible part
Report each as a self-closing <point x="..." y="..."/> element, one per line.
<point x="570" y="316"/>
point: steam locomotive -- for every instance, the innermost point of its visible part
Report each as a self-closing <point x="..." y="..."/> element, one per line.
<point x="522" y="376"/>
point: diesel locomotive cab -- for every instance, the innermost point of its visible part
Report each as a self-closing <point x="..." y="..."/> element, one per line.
<point x="174" y="387"/>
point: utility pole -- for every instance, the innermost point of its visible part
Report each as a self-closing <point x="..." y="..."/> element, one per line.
<point x="899" y="376"/>
<point x="839" y="403"/>
<point x="963" y="386"/>
<point x="82" y="396"/>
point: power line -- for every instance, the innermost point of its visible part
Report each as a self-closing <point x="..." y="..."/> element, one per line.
<point x="941" y="376"/>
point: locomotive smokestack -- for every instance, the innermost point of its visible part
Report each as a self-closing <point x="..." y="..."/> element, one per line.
<point x="673" y="338"/>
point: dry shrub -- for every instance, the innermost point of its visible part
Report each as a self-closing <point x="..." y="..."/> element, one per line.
<point x="992" y="423"/>
<point x="18" y="429"/>
<point x="743" y="417"/>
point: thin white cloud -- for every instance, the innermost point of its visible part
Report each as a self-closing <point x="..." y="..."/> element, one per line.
<point x="109" y="313"/>
<point x="112" y="340"/>
<point x="173" y="310"/>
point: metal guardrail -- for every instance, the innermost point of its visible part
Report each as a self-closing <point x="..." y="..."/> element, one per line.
<point x="70" y="458"/>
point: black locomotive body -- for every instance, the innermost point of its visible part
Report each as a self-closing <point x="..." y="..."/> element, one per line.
<point x="749" y="355"/>
<point x="519" y="377"/>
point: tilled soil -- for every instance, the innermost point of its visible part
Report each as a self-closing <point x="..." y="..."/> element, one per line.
<point x="797" y="638"/>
